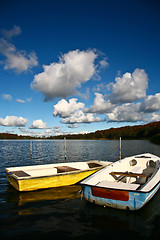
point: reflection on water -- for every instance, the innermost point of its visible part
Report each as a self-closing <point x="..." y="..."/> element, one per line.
<point x="74" y="217"/>
<point x="61" y="212"/>
<point x="141" y="222"/>
<point x="66" y="192"/>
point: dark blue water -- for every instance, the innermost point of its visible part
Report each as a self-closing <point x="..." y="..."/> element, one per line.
<point x="61" y="213"/>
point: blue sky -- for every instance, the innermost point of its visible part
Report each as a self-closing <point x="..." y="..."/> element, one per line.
<point x="78" y="66"/>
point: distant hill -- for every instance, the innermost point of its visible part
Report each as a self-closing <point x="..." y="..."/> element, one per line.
<point x="13" y="136"/>
<point x="150" y="131"/>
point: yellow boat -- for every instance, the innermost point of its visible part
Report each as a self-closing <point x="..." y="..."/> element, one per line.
<point x="30" y="178"/>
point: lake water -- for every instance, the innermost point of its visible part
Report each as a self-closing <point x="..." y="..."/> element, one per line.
<point x="62" y="213"/>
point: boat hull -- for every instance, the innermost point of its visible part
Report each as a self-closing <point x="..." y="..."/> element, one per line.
<point x="57" y="180"/>
<point x="115" y="198"/>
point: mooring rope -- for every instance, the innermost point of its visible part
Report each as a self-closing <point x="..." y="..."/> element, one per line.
<point x="69" y="198"/>
<point x="111" y="157"/>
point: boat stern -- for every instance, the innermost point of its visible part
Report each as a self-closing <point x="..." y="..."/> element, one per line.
<point x="114" y="198"/>
<point x="13" y="181"/>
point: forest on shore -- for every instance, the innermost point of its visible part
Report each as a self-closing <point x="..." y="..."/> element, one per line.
<point x="150" y="131"/>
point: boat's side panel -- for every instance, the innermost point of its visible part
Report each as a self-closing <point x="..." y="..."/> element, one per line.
<point x="152" y="193"/>
<point x="113" y="199"/>
<point x="87" y="193"/>
<point x="50" y="181"/>
<point x="139" y="199"/>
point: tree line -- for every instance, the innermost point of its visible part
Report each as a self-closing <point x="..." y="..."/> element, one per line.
<point x="150" y="131"/>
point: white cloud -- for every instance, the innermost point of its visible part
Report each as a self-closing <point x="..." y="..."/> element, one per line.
<point x="100" y="106"/>
<point x="100" y="87"/>
<point x="155" y="117"/>
<point x="15" y="31"/>
<point x="103" y="63"/>
<point x="7" y="97"/>
<point x="151" y="103"/>
<point x="65" y="109"/>
<point x="48" y="133"/>
<point x="38" y="124"/>
<point x="130" y="87"/>
<point x="23" y="101"/>
<point x="133" y="112"/>
<point x="83" y="132"/>
<point x="71" y="113"/>
<point x="17" y="60"/>
<point x="80" y="117"/>
<point x="13" y="121"/>
<point x="29" y="99"/>
<point x="27" y="132"/>
<point x="74" y="125"/>
<point x="57" y="129"/>
<point x="20" y="100"/>
<point x="85" y="95"/>
<point x="128" y="112"/>
<point x="63" y="78"/>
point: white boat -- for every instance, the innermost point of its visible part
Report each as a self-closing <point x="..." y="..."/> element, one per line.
<point x="126" y="184"/>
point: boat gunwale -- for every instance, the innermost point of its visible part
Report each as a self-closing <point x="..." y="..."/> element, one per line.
<point x="129" y="190"/>
<point x="101" y="163"/>
<point x="53" y="175"/>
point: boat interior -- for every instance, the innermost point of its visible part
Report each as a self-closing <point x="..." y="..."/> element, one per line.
<point x="137" y="174"/>
<point x="132" y="173"/>
<point x="52" y="169"/>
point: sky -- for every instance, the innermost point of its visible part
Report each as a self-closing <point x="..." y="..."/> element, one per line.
<point x="78" y="66"/>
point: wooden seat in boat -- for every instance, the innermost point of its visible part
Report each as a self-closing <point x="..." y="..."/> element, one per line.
<point x="128" y="174"/>
<point x="93" y="165"/>
<point x="61" y="169"/>
<point x="130" y="177"/>
<point x="20" y="173"/>
<point x="118" y="185"/>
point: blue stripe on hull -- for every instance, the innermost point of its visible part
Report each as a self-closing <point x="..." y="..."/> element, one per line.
<point x="135" y="202"/>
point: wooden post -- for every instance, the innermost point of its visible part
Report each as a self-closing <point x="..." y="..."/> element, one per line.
<point x="65" y="148"/>
<point x="30" y="147"/>
<point x="120" y="147"/>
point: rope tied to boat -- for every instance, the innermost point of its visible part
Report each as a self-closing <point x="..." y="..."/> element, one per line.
<point x="113" y="156"/>
<point x="71" y="197"/>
